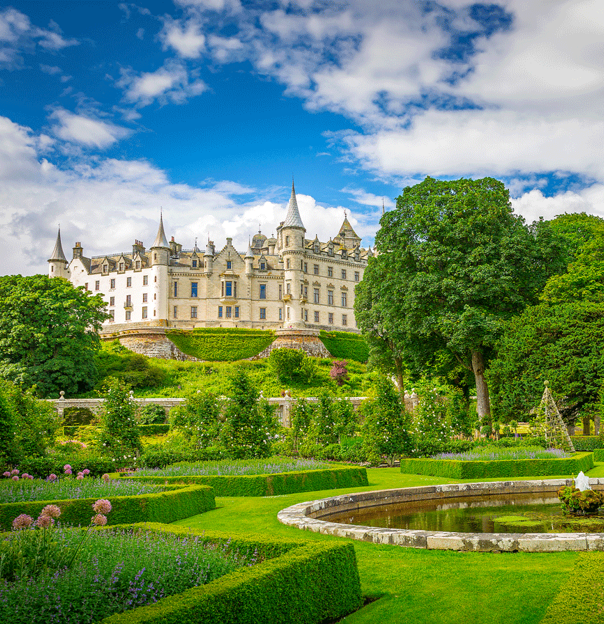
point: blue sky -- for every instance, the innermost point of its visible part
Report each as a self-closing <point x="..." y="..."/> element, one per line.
<point x="109" y="111"/>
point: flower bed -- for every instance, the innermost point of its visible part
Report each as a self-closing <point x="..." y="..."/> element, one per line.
<point x="498" y="468"/>
<point x="271" y="484"/>
<point x="167" y="503"/>
<point x="490" y="453"/>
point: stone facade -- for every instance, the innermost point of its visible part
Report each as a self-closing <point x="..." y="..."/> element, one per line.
<point x="287" y="282"/>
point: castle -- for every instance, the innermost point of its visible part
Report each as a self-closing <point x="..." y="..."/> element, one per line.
<point x="287" y="282"/>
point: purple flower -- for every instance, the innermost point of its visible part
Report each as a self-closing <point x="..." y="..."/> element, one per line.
<point x="44" y="522"/>
<point x="106" y="477"/>
<point x="85" y="472"/>
<point x="80" y="476"/>
<point x="22" y="522"/>
<point x="51" y="510"/>
<point x="102" y="506"/>
<point x="68" y="471"/>
<point x="51" y="477"/>
<point x="66" y="467"/>
<point x="99" y="519"/>
<point x="14" y="471"/>
<point x="6" y="474"/>
<point x="15" y="478"/>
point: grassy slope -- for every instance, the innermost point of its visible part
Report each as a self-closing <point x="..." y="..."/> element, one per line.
<point x="416" y="585"/>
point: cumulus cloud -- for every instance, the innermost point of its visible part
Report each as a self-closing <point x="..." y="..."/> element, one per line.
<point x="86" y="130"/>
<point x="184" y="37"/>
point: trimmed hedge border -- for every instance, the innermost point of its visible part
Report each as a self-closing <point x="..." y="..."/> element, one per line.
<point x="581" y="597"/>
<point x="586" y="443"/>
<point x="345" y="345"/>
<point x="272" y="484"/>
<point x="498" y="468"/>
<point x="310" y="582"/>
<point x="226" y="344"/>
<point x="176" y="503"/>
<point x="599" y="455"/>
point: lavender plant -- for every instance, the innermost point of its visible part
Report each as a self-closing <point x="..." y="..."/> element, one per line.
<point x="490" y="453"/>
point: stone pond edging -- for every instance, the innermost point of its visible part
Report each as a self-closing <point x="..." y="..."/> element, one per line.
<point x="308" y="516"/>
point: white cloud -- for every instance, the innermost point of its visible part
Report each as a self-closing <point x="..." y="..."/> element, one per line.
<point x="184" y="37"/>
<point x="86" y="130"/>
<point x="369" y="199"/>
<point x="171" y="82"/>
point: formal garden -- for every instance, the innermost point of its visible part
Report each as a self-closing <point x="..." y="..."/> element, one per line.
<point x="134" y="513"/>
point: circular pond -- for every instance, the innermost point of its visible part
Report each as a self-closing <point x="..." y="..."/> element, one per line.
<point x="498" y="516"/>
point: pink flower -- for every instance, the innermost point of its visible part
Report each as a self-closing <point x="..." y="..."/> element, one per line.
<point x="22" y="522"/>
<point x="15" y="478"/>
<point x="68" y="471"/>
<point x="102" y="506"/>
<point x="14" y="471"/>
<point x="31" y="477"/>
<point x="51" y="510"/>
<point x="85" y="472"/>
<point x="66" y="467"/>
<point x="44" y="522"/>
<point x="106" y="477"/>
<point x="6" y="474"/>
<point x="52" y="477"/>
<point x="99" y="520"/>
<point x="80" y="476"/>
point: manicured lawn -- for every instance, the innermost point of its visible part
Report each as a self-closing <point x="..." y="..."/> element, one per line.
<point x="415" y="585"/>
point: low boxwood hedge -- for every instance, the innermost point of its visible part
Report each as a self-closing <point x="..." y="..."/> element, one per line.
<point x="302" y="581"/>
<point x="581" y="597"/>
<point x="345" y="345"/>
<point x="221" y="344"/>
<point x="599" y="455"/>
<point x="273" y="484"/>
<point x="176" y="503"/>
<point x="498" y="468"/>
<point x="586" y="443"/>
<point x="41" y="467"/>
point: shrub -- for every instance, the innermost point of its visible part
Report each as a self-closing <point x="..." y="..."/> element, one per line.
<point x="580" y="502"/>
<point x="586" y="443"/>
<point x="8" y="454"/>
<point x="152" y="414"/>
<point x="339" y="372"/>
<point x="292" y="365"/>
<point x="157" y="456"/>
<point x="75" y="416"/>
<point x="198" y="419"/>
<point x="221" y="344"/>
<point x="345" y="345"/>
<point x="41" y="467"/>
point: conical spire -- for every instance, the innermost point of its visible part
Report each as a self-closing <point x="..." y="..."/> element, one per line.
<point x="293" y="215"/>
<point x="250" y="253"/>
<point x="57" y="254"/>
<point x="160" y="239"/>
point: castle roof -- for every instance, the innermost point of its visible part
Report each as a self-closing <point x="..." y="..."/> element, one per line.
<point x="293" y="218"/>
<point x="57" y="254"/>
<point x="160" y="239"/>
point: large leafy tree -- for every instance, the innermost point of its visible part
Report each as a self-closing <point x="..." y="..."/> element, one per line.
<point x="48" y="333"/>
<point x="453" y="264"/>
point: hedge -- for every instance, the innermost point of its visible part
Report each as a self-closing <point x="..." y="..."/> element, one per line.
<point x="581" y="597"/>
<point x="145" y="430"/>
<point x="310" y="582"/>
<point x="174" y="504"/>
<point x="586" y="443"/>
<point x="41" y="467"/>
<point x="272" y="484"/>
<point x="455" y="469"/>
<point x="345" y="345"/>
<point x="599" y="455"/>
<point x="221" y="344"/>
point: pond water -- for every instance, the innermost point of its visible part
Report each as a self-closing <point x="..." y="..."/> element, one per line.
<point x="513" y="513"/>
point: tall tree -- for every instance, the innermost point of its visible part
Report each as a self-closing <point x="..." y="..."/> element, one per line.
<point x="453" y="264"/>
<point x="48" y="333"/>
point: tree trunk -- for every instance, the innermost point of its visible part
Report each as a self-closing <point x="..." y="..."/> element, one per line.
<point x="483" y="406"/>
<point x="400" y="380"/>
<point x="586" y="426"/>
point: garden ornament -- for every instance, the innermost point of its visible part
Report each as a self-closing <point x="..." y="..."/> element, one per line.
<point x="582" y="482"/>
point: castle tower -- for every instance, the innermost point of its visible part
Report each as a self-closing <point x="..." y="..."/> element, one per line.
<point x="249" y="260"/>
<point x="291" y="242"/>
<point x="57" y="261"/>
<point x="160" y="259"/>
<point x="208" y="257"/>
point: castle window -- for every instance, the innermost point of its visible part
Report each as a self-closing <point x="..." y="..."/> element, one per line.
<point x="228" y="289"/>
<point x="262" y="314"/>
<point x="219" y="311"/>
<point x="302" y="290"/>
<point x="280" y="314"/>
<point x="317" y="248"/>
<point x="86" y="286"/>
<point x="306" y="315"/>
<point x="329" y="271"/>
<point x="154" y="257"/>
<point x="316" y="295"/>
<point x="280" y="291"/>
<point x="228" y="311"/>
<point x="112" y="315"/>
<point x="287" y="241"/>
<point x="154" y="296"/>
<point x="193" y="289"/>
<point x="344" y="274"/>
<point x="344" y="320"/>
<point x="145" y="280"/>
<point x="194" y="264"/>
<point x="306" y="292"/>
<point x="316" y="317"/>
<point x="128" y="282"/>
<point x="175" y="315"/>
<point x="175" y="290"/>
<point x="97" y="285"/>
<point x="287" y="264"/>
<point x="301" y="265"/>
<point x="138" y="264"/>
<point x="330" y="318"/>
<point x="193" y="312"/>
<point x="144" y="297"/>
<point x="121" y="266"/>
<point x="144" y="314"/>
<point x="128" y="315"/>
<point x="155" y="279"/>
<point x="357" y="276"/>
<point x="263" y="266"/>
<point x="229" y="265"/>
<point x="288" y="313"/>
<point x="330" y="297"/>
<point x="316" y="269"/>
<point x="128" y="300"/>
<point x="344" y="254"/>
<point x="111" y="301"/>
<point x="262" y="291"/>
<point x="330" y="250"/>
<point x="236" y="311"/>
<point x="344" y="300"/>
<point x="288" y="288"/>
<point x="105" y="268"/>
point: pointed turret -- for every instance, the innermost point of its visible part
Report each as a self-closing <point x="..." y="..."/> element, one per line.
<point x="250" y="253"/>
<point x="160" y="239"/>
<point x="293" y="215"/>
<point x="58" y="261"/>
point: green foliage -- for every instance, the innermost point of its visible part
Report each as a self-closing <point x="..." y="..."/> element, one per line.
<point x="558" y="343"/>
<point x="586" y="443"/>
<point x="386" y="426"/>
<point x="118" y="432"/>
<point x="48" y="334"/>
<point x="165" y="506"/>
<point x="332" y="418"/>
<point x="198" y="419"/>
<point x="132" y="369"/>
<point x="581" y="597"/>
<point x="41" y="467"/>
<point x="345" y="345"/>
<point x="75" y="416"/>
<point x="273" y="484"/>
<point x="8" y="450"/>
<point x="580" y="502"/>
<point x="36" y="422"/>
<point x="249" y="422"/>
<point x="161" y="455"/>
<point x="301" y="416"/>
<point x="599" y="455"/>
<point x="573" y="231"/>
<point x="152" y="414"/>
<point x="310" y="582"/>
<point x="221" y="344"/>
<point x="504" y="468"/>
<point x="292" y="365"/>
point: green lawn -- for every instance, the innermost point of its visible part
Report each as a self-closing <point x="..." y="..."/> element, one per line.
<point x="414" y="585"/>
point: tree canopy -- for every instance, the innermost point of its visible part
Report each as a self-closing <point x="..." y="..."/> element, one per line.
<point x="453" y="264"/>
<point x="48" y="334"/>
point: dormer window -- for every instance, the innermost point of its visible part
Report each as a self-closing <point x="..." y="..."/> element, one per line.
<point x="317" y="248"/>
<point x="105" y="268"/>
<point x="194" y="264"/>
<point x="229" y="265"/>
<point x="263" y="266"/>
<point x="121" y="266"/>
<point x="138" y="264"/>
<point x="344" y="254"/>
